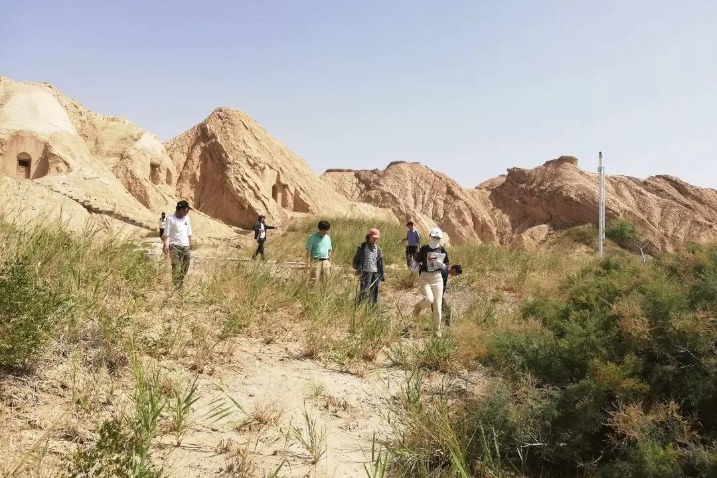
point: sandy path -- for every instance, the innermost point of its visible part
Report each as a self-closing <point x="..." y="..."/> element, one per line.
<point x="261" y="376"/>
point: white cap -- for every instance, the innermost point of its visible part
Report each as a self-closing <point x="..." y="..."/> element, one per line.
<point x="437" y="233"/>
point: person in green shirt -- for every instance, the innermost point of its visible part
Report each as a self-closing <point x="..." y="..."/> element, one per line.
<point x="318" y="252"/>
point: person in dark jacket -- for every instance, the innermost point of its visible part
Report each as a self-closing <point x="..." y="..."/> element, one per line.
<point x="260" y="228"/>
<point x="432" y="258"/>
<point x="454" y="270"/>
<point x="368" y="264"/>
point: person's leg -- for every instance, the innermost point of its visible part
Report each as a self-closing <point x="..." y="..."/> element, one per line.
<point x="437" y="289"/>
<point x="175" y="253"/>
<point x="325" y="269"/>
<point x="446" y="310"/>
<point x="408" y="256"/>
<point x="374" y="287"/>
<point x="316" y="271"/>
<point x="364" y="282"/>
<point x="424" y="287"/>
<point x="260" y="249"/>
<point x="184" y="265"/>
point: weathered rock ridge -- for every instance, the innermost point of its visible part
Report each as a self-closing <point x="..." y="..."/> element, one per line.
<point x="60" y="160"/>
<point x="232" y="169"/>
<point x="526" y="205"/>
<point x="106" y="165"/>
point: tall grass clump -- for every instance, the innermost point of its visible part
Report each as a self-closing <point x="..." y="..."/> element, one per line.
<point x="28" y="311"/>
<point x="124" y="446"/>
<point x="56" y="283"/>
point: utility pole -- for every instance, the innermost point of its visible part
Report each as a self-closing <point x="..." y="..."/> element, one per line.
<point x="601" y="204"/>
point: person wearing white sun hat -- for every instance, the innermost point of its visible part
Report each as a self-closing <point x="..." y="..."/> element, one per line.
<point x="431" y="258"/>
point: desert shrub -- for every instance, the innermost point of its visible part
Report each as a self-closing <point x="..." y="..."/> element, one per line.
<point x="622" y="337"/>
<point x="124" y="446"/>
<point x="81" y="285"/>
<point x="623" y="233"/>
<point x="27" y="309"/>
<point x="586" y="235"/>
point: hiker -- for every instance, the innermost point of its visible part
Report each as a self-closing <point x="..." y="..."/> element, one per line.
<point x="454" y="270"/>
<point x="431" y="258"/>
<point x="318" y="252"/>
<point x="413" y="238"/>
<point x="177" y="240"/>
<point x="368" y="264"/>
<point x="260" y="229"/>
<point x="162" y="221"/>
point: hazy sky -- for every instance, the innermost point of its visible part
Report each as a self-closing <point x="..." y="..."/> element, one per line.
<point x="470" y="88"/>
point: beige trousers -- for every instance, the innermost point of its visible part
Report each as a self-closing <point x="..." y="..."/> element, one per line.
<point x="430" y="284"/>
<point x="321" y="270"/>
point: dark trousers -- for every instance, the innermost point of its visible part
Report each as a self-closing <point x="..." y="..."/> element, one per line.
<point x="180" y="256"/>
<point x="368" y="287"/>
<point x="410" y="252"/>
<point x="259" y="249"/>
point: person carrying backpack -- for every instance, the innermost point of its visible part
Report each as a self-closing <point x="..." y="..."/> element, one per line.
<point x="432" y="258"/>
<point x="368" y="264"/>
<point x="260" y="228"/>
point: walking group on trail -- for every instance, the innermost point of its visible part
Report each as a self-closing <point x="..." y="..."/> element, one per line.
<point x="430" y="260"/>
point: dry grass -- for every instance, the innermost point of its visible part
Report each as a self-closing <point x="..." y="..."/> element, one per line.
<point x="121" y="308"/>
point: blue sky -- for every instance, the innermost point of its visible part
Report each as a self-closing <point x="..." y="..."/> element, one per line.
<point x="469" y="88"/>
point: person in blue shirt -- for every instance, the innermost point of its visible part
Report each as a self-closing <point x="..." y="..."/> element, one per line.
<point x="318" y="252"/>
<point x="413" y="240"/>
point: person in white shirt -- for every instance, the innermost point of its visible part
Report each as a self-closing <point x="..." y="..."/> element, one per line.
<point x="178" y="242"/>
<point x="260" y="229"/>
<point x="162" y="220"/>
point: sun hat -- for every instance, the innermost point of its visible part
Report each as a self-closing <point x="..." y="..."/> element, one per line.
<point x="183" y="205"/>
<point x="436" y="233"/>
<point x="374" y="233"/>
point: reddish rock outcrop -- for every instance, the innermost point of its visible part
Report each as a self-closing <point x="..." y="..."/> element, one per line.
<point x="526" y="205"/>
<point x="233" y="170"/>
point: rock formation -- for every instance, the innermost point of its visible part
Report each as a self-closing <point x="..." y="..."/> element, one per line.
<point x="526" y="205"/>
<point x="112" y="172"/>
<point x="233" y="170"/>
<point x="106" y="165"/>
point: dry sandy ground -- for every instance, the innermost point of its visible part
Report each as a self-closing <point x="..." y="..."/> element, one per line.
<point x="274" y="385"/>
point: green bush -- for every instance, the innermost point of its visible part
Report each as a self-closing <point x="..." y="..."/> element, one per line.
<point x="621" y="338"/>
<point x="27" y="309"/>
<point x="623" y="233"/>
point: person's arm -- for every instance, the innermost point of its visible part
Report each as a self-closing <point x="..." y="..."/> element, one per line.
<point x="357" y="259"/>
<point x="189" y="233"/>
<point x="165" y="238"/>
<point x="331" y="248"/>
<point x="381" y="273"/>
<point x="307" y="246"/>
<point x="269" y="227"/>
